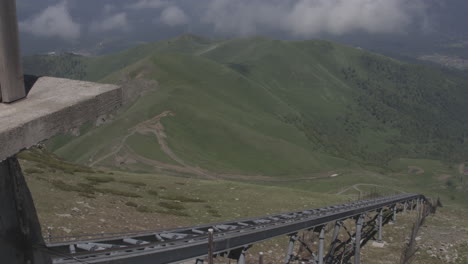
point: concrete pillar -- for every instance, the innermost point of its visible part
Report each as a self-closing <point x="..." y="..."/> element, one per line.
<point x="11" y="72"/>
<point x="292" y="240"/>
<point x="394" y="209"/>
<point x="380" y="224"/>
<point x="321" y="245"/>
<point x="357" y="244"/>
<point x="21" y="239"/>
<point x="404" y="207"/>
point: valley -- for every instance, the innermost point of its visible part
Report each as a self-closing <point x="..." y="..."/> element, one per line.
<point x="211" y="128"/>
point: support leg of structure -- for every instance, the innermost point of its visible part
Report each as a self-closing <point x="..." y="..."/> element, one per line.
<point x="321" y="245"/>
<point x="380" y="224"/>
<point x="357" y="243"/>
<point x="21" y="239"/>
<point x="334" y="240"/>
<point x="394" y="209"/>
<point x="292" y="240"/>
<point x="405" y="205"/>
<point x="241" y="259"/>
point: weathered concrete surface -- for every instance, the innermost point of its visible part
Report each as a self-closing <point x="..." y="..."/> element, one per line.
<point x="53" y="106"/>
<point x="11" y="73"/>
<point x="20" y="232"/>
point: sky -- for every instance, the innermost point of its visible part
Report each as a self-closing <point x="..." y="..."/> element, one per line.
<point x="72" y="23"/>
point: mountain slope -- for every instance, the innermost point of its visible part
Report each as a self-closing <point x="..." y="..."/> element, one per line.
<point x="259" y="106"/>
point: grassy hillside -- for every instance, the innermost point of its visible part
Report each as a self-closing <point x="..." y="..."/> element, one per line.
<point x="264" y="107"/>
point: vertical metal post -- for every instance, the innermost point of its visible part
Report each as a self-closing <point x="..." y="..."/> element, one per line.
<point x="336" y="233"/>
<point x="241" y="259"/>
<point x="11" y="72"/>
<point x="292" y="240"/>
<point x="321" y="245"/>
<point x="380" y="224"/>
<point x="357" y="242"/>
<point x="404" y="207"/>
<point x="210" y="246"/>
<point x="394" y="213"/>
<point x="260" y="258"/>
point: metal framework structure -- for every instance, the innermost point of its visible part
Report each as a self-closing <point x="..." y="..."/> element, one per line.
<point x="232" y="239"/>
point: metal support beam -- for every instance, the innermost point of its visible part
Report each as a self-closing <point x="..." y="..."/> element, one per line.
<point x="11" y="72"/>
<point x="334" y="241"/>
<point x="380" y="223"/>
<point x="210" y="246"/>
<point x="290" y="255"/>
<point x="321" y="245"/>
<point x="241" y="259"/>
<point x="357" y="242"/>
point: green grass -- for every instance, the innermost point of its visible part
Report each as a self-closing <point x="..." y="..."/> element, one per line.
<point x="269" y="107"/>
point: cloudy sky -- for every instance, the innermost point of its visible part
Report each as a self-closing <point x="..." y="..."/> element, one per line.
<point x="77" y="21"/>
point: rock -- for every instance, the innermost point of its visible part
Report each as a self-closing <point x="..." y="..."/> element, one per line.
<point x="63" y="215"/>
<point x="378" y="244"/>
<point x="76" y="210"/>
<point x="417" y="238"/>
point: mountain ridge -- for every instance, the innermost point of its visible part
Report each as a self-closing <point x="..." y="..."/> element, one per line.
<point x="274" y="107"/>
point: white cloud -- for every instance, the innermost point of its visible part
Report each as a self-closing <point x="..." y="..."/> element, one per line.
<point x="54" y="21"/>
<point x="308" y="17"/>
<point x="174" y="16"/>
<point x="112" y="22"/>
<point x="145" y="4"/>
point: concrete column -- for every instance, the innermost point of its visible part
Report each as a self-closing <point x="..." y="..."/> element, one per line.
<point x="380" y="224"/>
<point x="21" y="239"/>
<point x="394" y="209"/>
<point x="321" y="245"/>
<point x="404" y="207"/>
<point x="11" y="72"/>
<point x="292" y="240"/>
<point x="357" y="244"/>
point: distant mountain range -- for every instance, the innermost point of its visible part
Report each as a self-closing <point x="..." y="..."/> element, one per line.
<point x="259" y="106"/>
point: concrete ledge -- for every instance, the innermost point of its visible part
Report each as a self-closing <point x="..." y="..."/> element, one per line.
<point x="53" y="106"/>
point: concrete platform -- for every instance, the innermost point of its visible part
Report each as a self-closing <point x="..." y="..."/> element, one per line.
<point x="53" y="106"/>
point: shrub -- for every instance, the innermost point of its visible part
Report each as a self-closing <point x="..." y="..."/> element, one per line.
<point x="99" y="179"/>
<point x="152" y="192"/>
<point x="117" y="192"/>
<point x="33" y="170"/>
<point x="143" y="209"/>
<point x="181" y="198"/>
<point x="172" y="205"/>
<point x="133" y="183"/>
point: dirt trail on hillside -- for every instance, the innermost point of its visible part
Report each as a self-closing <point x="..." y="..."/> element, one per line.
<point x="356" y="187"/>
<point x="461" y="168"/>
<point x="154" y="127"/>
<point x="115" y="150"/>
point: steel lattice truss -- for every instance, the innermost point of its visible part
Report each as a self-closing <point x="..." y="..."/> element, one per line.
<point x="175" y="245"/>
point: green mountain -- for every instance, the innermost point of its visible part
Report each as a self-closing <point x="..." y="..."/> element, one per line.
<point x="259" y="106"/>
